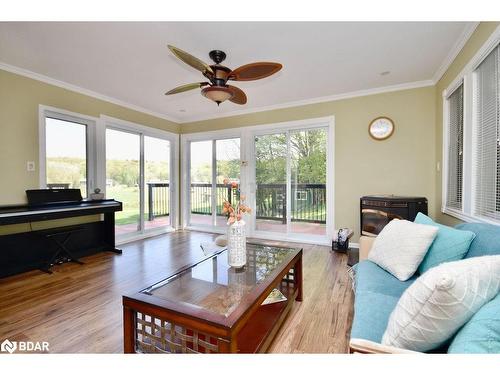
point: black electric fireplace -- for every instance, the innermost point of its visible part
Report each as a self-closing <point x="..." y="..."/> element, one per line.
<point x="377" y="210"/>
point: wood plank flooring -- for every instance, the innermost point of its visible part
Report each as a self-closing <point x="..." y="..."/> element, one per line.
<point x="78" y="309"/>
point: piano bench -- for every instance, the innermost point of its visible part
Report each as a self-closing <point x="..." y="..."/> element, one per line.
<point x="60" y="237"/>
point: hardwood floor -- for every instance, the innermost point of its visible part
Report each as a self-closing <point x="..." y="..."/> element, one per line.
<point x="78" y="309"/>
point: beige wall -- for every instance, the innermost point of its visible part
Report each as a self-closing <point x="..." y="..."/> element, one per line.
<point x="475" y="42"/>
<point x="19" y="100"/>
<point x="404" y="164"/>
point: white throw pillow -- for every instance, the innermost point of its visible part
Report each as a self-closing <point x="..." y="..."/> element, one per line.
<point x="440" y="301"/>
<point x="401" y="246"/>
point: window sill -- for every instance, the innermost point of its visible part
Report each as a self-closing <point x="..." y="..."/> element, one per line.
<point x="468" y="218"/>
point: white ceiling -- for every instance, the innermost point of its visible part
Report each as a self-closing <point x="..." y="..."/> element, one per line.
<point x="130" y="62"/>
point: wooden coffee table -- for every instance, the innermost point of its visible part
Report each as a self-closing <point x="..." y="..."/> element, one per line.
<point x="209" y="307"/>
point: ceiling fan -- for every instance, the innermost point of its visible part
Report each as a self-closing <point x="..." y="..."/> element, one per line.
<point x="217" y="88"/>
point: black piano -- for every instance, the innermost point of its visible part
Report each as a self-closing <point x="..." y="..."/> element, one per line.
<point x="40" y="249"/>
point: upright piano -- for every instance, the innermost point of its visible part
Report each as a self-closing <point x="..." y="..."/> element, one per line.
<point x="35" y="249"/>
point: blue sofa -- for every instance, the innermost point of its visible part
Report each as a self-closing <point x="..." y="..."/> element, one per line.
<point x="377" y="292"/>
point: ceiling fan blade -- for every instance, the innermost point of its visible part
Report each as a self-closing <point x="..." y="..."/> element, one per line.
<point x="239" y="97"/>
<point x="253" y="71"/>
<point x="191" y="60"/>
<point x="189" y="86"/>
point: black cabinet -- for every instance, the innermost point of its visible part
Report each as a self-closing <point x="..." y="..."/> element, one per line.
<point x="377" y="210"/>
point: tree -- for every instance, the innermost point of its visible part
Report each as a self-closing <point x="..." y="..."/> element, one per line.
<point x="308" y="157"/>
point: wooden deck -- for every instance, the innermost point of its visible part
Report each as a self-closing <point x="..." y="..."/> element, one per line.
<point x="78" y="308"/>
<point x="267" y="225"/>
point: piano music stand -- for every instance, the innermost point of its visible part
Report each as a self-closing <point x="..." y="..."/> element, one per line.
<point x="61" y="245"/>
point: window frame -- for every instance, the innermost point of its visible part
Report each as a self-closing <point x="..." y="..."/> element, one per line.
<point x="467" y="77"/>
<point x="446" y="145"/>
<point x="326" y="123"/>
<point x="186" y="140"/>
<point x="247" y="177"/>
<point x="63" y="115"/>
<point x="108" y="122"/>
<point x="96" y="153"/>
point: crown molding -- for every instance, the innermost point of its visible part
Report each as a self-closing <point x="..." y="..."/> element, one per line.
<point x="68" y="86"/>
<point x="323" y="99"/>
<point x="465" y="36"/>
<point x="452" y="55"/>
<point x="460" y="43"/>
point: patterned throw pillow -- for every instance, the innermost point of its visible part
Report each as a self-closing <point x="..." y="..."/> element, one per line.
<point x="401" y="246"/>
<point x="441" y="301"/>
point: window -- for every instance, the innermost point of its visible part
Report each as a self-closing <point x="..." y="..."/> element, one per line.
<point x="471" y="134"/>
<point x="139" y="163"/>
<point x="129" y="162"/>
<point x="301" y="195"/>
<point x="487" y="140"/>
<point x="123" y="168"/>
<point x="455" y="149"/>
<point x="291" y="188"/>
<point x="65" y="161"/>
<point x="285" y="171"/>
<point x="210" y="163"/>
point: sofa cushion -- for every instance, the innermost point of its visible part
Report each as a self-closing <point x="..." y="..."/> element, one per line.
<point x="371" y="314"/>
<point x="450" y="244"/>
<point x="371" y="278"/>
<point x="401" y="247"/>
<point x="440" y="301"/>
<point x="481" y="334"/>
<point x="487" y="241"/>
<point x="376" y="294"/>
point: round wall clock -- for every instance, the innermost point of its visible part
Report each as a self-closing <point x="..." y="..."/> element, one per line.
<point x="381" y="128"/>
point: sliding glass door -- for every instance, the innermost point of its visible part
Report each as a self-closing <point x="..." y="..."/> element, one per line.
<point x="285" y="170"/>
<point x="308" y="181"/>
<point x="123" y="178"/>
<point x="227" y="163"/>
<point x="157" y="205"/>
<point x="201" y="183"/>
<point x="271" y="152"/>
<point x="290" y="177"/>
<point x="210" y="163"/>
<point x="138" y="170"/>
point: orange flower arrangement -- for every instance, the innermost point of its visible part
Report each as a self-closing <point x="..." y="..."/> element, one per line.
<point x="235" y="213"/>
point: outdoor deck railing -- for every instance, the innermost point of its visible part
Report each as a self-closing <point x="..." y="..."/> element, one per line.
<point x="158" y="199"/>
<point x="308" y="201"/>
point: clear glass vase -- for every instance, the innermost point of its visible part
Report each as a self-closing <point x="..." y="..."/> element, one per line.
<point x="237" y="244"/>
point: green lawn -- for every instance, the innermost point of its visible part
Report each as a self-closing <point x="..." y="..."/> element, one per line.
<point x="129" y="196"/>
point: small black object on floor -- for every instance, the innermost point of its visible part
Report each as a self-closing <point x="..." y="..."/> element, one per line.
<point x="352" y="253"/>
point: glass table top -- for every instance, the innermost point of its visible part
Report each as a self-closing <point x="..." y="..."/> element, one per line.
<point x="215" y="286"/>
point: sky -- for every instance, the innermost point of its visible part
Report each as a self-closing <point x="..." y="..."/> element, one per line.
<point x="64" y="140"/>
<point x="226" y="149"/>
<point x="67" y="139"/>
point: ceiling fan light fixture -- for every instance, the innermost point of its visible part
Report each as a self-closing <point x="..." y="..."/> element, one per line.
<point x="218" y="75"/>
<point x="217" y="94"/>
